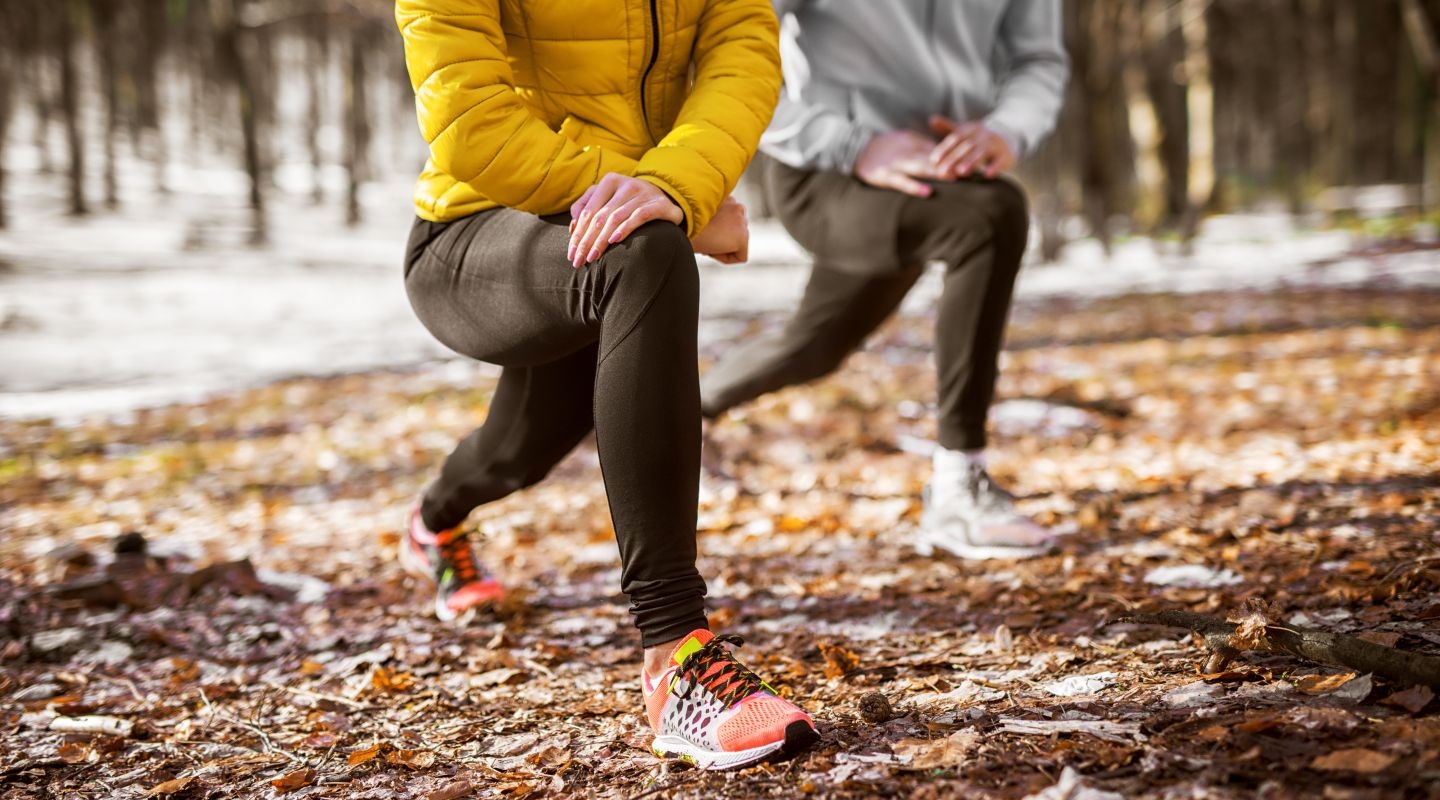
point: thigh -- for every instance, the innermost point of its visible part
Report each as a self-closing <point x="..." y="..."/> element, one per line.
<point x="846" y="224"/>
<point x="496" y="286"/>
<point x="961" y="216"/>
<point x="845" y="307"/>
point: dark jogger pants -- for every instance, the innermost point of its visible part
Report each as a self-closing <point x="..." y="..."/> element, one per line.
<point x="609" y="346"/>
<point x="870" y="246"/>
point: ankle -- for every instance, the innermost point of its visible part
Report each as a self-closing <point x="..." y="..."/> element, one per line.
<point x="657" y="657"/>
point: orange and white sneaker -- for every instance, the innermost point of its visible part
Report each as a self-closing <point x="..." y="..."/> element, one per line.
<point x="447" y="560"/>
<point x="709" y="710"/>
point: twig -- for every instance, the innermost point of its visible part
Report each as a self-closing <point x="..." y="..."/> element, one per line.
<point x="334" y="698"/>
<point x="1337" y="649"/>
<point x="264" y="737"/>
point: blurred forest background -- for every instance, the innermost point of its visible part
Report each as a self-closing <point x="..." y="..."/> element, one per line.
<point x="1178" y="108"/>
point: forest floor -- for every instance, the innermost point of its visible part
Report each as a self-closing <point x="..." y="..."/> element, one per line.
<point x="1210" y="452"/>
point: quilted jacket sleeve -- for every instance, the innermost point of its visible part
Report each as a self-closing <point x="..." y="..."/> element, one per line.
<point x="737" y="81"/>
<point x="479" y="131"/>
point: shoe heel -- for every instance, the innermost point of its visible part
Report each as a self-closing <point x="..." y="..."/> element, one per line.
<point x="923" y="548"/>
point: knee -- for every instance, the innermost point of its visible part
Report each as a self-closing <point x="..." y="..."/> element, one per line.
<point x="657" y="255"/>
<point x="1009" y="210"/>
<point x="994" y="212"/>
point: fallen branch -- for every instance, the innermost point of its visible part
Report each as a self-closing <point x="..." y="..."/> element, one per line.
<point x="106" y="726"/>
<point x="1336" y="649"/>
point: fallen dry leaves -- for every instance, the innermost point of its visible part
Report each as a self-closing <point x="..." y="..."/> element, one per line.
<point x="1212" y="453"/>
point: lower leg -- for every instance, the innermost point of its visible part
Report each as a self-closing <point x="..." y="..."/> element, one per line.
<point x="837" y="313"/>
<point x="974" y="307"/>
<point x="647" y="427"/>
<point x="537" y="416"/>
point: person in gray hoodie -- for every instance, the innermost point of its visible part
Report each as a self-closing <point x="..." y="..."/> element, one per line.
<point x="897" y="125"/>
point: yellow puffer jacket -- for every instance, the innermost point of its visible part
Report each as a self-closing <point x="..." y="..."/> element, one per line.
<point x="527" y="103"/>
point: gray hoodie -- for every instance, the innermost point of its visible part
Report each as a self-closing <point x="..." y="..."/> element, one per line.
<point x="855" y="68"/>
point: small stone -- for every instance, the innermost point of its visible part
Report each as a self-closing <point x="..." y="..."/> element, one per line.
<point x="56" y="640"/>
<point x="875" y="708"/>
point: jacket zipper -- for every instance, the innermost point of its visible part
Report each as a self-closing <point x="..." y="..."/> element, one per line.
<point x="654" y="56"/>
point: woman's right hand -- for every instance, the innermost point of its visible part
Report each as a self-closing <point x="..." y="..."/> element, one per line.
<point x="727" y="237"/>
<point x="611" y="210"/>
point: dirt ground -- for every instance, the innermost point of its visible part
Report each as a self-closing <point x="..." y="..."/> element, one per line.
<point x="1222" y="453"/>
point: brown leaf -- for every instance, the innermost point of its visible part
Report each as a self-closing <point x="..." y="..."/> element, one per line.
<point x="499" y="677"/>
<point x="1214" y="733"/>
<point x="1250" y="630"/>
<point x="414" y="759"/>
<point x="838" y="660"/>
<point x="1259" y="725"/>
<point x="75" y="752"/>
<point x="370" y="753"/>
<point x="389" y="680"/>
<point x="1433" y="612"/>
<point x="451" y="791"/>
<point x="298" y="779"/>
<point x="1354" y="759"/>
<point x="1413" y="699"/>
<point x="170" y="787"/>
<point x="1323" y="684"/>
<point x="924" y="754"/>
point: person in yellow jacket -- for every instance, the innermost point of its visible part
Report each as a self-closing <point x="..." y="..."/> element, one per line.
<point x="581" y="153"/>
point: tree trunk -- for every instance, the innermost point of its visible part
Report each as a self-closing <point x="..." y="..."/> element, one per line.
<point x="234" y="50"/>
<point x="319" y="46"/>
<point x="1166" y="85"/>
<point x="104" y="14"/>
<point x="70" y="107"/>
<point x="1424" y="45"/>
<point x="8" y="62"/>
<point x="1200" y="112"/>
<point x="151" y="133"/>
<point x="357" y="119"/>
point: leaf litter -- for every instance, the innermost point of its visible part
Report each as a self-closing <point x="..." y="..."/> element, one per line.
<point x="1272" y="454"/>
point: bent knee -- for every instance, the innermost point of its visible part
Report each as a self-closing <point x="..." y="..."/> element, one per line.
<point x="989" y="210"/>
<point x="1009" y="208"/>
<point x="657" y="254"/>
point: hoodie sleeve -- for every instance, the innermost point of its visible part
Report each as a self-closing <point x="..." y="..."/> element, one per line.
<point x="1032" y="89"/>
<point x="809" y="135"/>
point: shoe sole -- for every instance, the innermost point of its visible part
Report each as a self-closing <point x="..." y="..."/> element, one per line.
<point x="799" y="736"/>
<point x="926" y="547"/>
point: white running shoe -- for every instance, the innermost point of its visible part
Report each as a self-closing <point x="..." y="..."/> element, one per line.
<point x="968" y="516"/>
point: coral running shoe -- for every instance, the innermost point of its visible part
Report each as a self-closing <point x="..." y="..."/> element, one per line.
<point x="709" y="710"/>
<point x="447" y="560"/>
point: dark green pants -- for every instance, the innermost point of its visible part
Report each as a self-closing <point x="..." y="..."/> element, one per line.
<point x="870" y="246"/>
<point x="610" y="346"/>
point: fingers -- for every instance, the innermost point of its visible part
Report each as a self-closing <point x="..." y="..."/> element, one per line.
<point x="577" y="205"/>
<point x="611" y="210"/>
<point x="901" y="182"/>
<point x="972" y="159"/>
<point x="947" y="156"/>
<point x="629" y="222"/>
<point x="583" y="232"/>
<point x="592" y="241"/>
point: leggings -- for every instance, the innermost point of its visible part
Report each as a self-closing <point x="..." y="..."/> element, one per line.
<point x="977" y="228"/>
<point x="609" y="347"/>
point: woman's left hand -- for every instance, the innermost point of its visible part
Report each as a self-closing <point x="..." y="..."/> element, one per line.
<point x="611" y="210"/>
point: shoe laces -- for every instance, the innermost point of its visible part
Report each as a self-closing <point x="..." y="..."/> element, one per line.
<point x="715" y="667"/>
<point x="990" y="496"/>
<point x="456" y="554"/>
